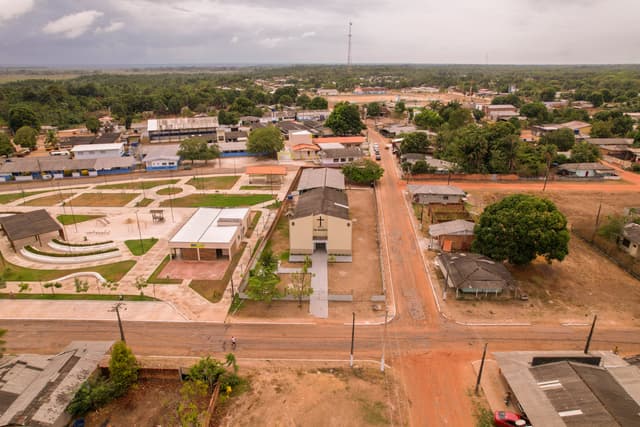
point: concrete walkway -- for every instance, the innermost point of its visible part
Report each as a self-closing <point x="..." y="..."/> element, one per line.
<point x="319" y="299"/>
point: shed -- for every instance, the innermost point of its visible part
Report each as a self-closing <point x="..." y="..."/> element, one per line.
<point x="456" y="235"/>
<point x="24" y="229"/>
<point x="630" y="240"/>
<point x="268" y="174"/>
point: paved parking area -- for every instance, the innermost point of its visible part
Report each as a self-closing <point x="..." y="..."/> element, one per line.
<point x="199" y="270"/>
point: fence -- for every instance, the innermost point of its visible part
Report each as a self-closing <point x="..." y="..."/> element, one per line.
<point x="610" y="249"/>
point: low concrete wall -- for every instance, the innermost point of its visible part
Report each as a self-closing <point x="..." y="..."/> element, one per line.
<point x="462" y="177"/>
<point x="68" y="260"/>
<point x="80" y="249"/>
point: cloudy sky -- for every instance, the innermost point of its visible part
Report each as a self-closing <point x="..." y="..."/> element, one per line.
<point x="102" y="32"/>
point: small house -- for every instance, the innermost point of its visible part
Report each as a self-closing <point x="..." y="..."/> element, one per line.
<point x="339" y="156"/>
<point x="442" y="194"/>
<point x="473" y="274"/>
<point x="587" y="170"/>
<point x="456" y="235"/>
<point x="630" y="239"/>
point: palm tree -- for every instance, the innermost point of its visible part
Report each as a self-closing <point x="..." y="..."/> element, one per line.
<point x="230" y="359"/>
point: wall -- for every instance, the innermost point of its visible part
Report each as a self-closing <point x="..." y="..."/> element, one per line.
<point x="339" y="239"/>
<point x="464" y="177"/>
<point x="301" y="236"/>
<point x="426" y="199"/>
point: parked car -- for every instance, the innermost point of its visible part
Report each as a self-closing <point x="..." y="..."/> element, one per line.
<point x="509" y="419"/>
<point x="378" y="156"/>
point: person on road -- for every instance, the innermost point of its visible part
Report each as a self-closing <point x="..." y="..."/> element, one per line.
<point x="233" y="343"/>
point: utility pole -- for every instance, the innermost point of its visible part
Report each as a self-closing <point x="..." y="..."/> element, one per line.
<point x="384" y="339"/>
<point x="349" y="49"/>
<point x="484" y="354"/>
<point x="595" y="228"/>
<point x="139" y="234"/>
<point x="116" y="308"/>
<point x="588" y="343"/>
<point x="353" y="332"/>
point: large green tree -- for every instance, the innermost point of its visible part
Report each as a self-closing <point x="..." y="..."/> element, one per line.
<point x="26" y="137"/>
<point x="318" y="103"/>
<point x="6" y="148"/>
<point x="563" y="139"/>
<point x="263" y="284"/>
<point x="363" y="171"/>
<point x="345" y="119"/>
<point x="428" y="119"/>
<point x="373" y="109"/>
<point x="93" y="124"/>
<point x="123" y="368"/>
<point x="197" y="148"/>
<point x="583" y="152"/>
<point x="267" y="140"/>
<point x="414" y="142"/>
<point x="536" y="112"/>
<point x="520" y="228"/>
<point x="22" y="115"/>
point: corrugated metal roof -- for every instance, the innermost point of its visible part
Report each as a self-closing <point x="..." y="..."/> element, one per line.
<point x="210" y="225"/>
<point x="182" y="123"/>
<point x="321" y="177"/>
<point x="457" y="227"/>
<point x="470" y="272"/>
<point x="443" y="190"/>
<point x="327" y="201"/>
<point x="97" y="147"/>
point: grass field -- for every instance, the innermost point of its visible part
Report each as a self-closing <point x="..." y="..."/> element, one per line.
<point x="137" y="185"/>
<point x="137" y="249"/>
<point x="218" y="200"/>
<point x="214" y="182"/>
<point x="98" y="297"/>
<point x="12" y="197"/>
<point x="16" y="273"/>
<point x="144" y="203"/>
<point x="50" y="200"/>
<point x="74" y="219"/>
<point x="168" y="191"/>
<point x="104" y="199"/>
<point x="260" y="187"/>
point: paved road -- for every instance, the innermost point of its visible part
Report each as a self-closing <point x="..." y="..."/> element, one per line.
<point x="417" y="333"/>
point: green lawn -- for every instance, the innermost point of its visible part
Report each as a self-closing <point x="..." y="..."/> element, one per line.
<point x="12" y="197"/>
<point x="16" y="273"/>
<point x="214" y="182"/>
<point x="74" y="219"/>
<point x="154" y="276"/>
<point x="168" y="191"/>
<point x="260" y="187"/>
<point x="137" y="185"/>
<point x="81" y="296"/>
<point x="218" y="200"/>
<point x="254" y="222"/>
<point x="137" y="249"/>
<point x="144" y="203"/>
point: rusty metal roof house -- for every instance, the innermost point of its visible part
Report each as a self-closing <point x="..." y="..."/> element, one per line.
<point x="470" y="273"/>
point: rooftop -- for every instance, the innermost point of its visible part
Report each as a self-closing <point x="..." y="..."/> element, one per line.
<point x="341" y="139"/>
<point x="342" y="152"/>
<point x="321" y="177"/>
<point x="585" y="166"/>
<point x="211" y="225"/>
<point x="458" y="227"/>
<point x="266" y="170"/>
<point x="632" y="232"/>
<point x="23" y="225"/>
<point x="441" y="190"/>
<point x="180" y="123"/>
<point x="471" y="272"/>
<point x="97" y="147"/>
<point x="610" y="141"/>
<point x="327" y="201"/>
<point x="163" y="151"/>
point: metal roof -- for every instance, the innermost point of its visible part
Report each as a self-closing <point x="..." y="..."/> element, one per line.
<point x="97" y="147"/>
<point x="341" y="152"/>
<point x="610" y="141"/>
<point x="470" y="272"/>
<point x="457" y="227"/>
<point x="327" y="201"/>
<point x="321" y="177"/>
<point x="632" y="232"/>
<point x="182" y="123"/>
<point x="584" y="166"/>
<point x="210" y="225"/>
<point x="160" y="152"/>
<point x="266" y="170"/>
<point x="441" y="190"/>
<point x="23" y="225"/>
<point x="341" y="139"/>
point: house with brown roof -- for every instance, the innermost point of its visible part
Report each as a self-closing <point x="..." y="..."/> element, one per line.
<point x="329" y="157"/>
<point x="456" y="235"/>
<point x="473" y="274"/>
<point x="320" y="221"/>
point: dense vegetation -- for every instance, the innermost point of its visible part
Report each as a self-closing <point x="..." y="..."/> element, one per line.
<point x="128" y="96"/>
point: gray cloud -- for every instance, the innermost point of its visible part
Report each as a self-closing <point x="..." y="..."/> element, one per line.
<point x="277" y="31"/>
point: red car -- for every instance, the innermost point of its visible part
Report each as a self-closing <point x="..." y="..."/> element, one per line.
<point x="508" y="419"/>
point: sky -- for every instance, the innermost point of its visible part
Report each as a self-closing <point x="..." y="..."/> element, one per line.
<point x="192" y="32"/>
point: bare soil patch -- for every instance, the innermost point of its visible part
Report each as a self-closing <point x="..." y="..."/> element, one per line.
<point x="104" y="199"/>
<point x="584" y="284"/>
<point x="50" y="200"/>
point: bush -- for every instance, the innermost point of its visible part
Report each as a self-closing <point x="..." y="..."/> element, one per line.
<point x="123" y="368"/>
<point x="62" y="242"/>
<point x="66" y="255"/>
<point x="93" y="394"/>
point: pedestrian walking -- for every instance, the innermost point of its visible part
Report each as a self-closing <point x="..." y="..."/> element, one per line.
<point x="233" y="343"/>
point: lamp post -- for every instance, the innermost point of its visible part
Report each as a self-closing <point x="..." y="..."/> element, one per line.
<point x="116" y="308"/>
<point x="139" y="233"/>
<point x="353" y="332"/>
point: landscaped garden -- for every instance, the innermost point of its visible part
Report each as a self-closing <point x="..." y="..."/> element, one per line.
<point x="137" y="185"/>
<point x="104" y="199"/>
<point x="218" y="200"/>
<point x="213" y="182"/>
<point x="74" y="219"/>
<point x="140" y="247"/>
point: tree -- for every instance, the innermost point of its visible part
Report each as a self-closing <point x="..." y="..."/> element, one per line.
<point x="263" y="285"/>
<point x="400" y="107"/>
<point x="345" y="119"/>
<point x="51" y="140"/>
<point x="52" y="286"/>
<point x="613" y="227"/>
<point x="548" y="94"/>
<point x="93" y="124"/>
<point x="207" y="370"/>
<point x="510" y="99"/>
<point x="363" y="171"/>
<point x="267" y="140"/>
<point x="291" y="92"/>
<point x="198" y="148"/>
<point x="123" y="368"/>
<point x="414" y="142"/>
<point x="521" y="227"/>
<point x="373" y="109"/>
<point x="596" y="99"/>
<point x="22" y="115"/>
<point x="421" y="166"/>
<point x="140" y="284"/>
<point x="564" y="139"/>
<point x="228" y="117"/>
<point x="81" y="285"/>
<point x="300" y="286"/>
<point x="601" y="129"/>
<point x="428" y="119"/>
<point x="6" y="148"/>
<point x="535" y="111"/>
<point x="303" y="101"/>
<point x="26" y="137"/>
<point x="230" y="360"/>
<point x="318" y="103"/>
<point x="583" y="152"/>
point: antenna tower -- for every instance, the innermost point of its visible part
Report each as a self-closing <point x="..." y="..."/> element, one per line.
<point x="349" y="49"/>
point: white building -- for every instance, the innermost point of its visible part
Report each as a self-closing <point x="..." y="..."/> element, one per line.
<point x="98" y="151"/>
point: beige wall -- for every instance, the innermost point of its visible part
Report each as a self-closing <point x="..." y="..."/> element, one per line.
<point x="301" y="235"/>
<point x="299" y="139"/>
<point x="339" y="236"/>
<point x="304" y="155"/>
